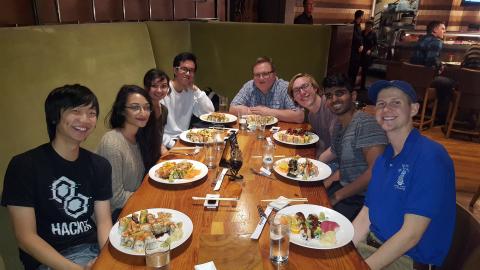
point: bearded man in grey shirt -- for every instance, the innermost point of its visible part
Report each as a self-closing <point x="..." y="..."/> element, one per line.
<point x="357" y="141"/>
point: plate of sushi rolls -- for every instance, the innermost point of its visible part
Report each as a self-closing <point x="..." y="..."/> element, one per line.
<point x="296" y="136"/>
<point x="130" y="233"/>
<point x="316" y="227"/>
<point x="218" y="118"/>
<point x="178" y="171"/>
<point x="302" y="169"/>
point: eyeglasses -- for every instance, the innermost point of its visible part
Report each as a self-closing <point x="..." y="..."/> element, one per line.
<point x="136" y="108"/>
<point x="395" y="104"/>
<point x="337" y="93"/>
<point x="262" y="75"/>
<point x="185" y="70"/>
<point x="303" y="87"/>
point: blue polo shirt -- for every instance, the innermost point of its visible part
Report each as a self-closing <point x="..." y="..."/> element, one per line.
<point x="420" y="180"/>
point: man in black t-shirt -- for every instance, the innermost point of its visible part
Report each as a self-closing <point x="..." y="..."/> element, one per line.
<point x="306" y="17"/>
<point x="52" y="191"/>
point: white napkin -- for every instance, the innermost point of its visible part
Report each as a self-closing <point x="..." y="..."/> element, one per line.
<point x="206" y="266"/>
<point x="279" y="203"/>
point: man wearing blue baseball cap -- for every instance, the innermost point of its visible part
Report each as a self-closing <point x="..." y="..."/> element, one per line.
<point x="408" y="218"/>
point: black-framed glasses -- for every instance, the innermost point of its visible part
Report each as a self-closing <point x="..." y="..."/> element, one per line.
<point x="262" y="74"/>
<point x="303" y="87"/>
<point x="337" y="93"/>
<point x="136" y="108"/>
<point x="185" y="70"/>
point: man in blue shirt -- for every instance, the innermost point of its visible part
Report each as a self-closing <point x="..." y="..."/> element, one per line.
<point x="266" y="95"/>
<point x="409" y="213"/>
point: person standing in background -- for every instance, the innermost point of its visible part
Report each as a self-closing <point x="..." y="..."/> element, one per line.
<point x="357" y="47"/>
<point x="369" y="44"/>
<point x="306" y="17"/>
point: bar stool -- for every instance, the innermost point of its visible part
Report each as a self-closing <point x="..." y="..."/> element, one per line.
<point x="466" y="98"/>
<point x="420" y="77"/>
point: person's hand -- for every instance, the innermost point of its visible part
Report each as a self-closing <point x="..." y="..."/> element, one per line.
<point x="327" y="183"/>
<point x="360" y="49"/>
<point x="262" y="110"/>
<point x="90" y="264"/>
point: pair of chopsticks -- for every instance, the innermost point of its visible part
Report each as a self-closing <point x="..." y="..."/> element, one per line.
<point x="290" y="200"/>
<point x="279" y="156"/>
<point x="214" y="199"/>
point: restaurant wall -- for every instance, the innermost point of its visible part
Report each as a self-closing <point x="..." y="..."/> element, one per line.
<point x="452" y="12"/>
<point x="334" y="11"/>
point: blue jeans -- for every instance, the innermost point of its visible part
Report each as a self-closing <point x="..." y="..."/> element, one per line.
<point x="80" y="254"/>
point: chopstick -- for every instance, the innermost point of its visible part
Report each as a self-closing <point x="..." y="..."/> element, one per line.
<point x="215" y="199"/>
<point x="290" y="200"/>
<point x="184" y="148"/>
<point x="279" y="156"/>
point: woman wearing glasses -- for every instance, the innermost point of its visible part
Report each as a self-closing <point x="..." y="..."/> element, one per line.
<point x="156" y="83"/>
<point x="132" y="146"/>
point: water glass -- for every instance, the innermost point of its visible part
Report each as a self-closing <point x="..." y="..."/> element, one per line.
<point x="242" y="121"/>
<point x="218" y="139"/>
<point x="210" y="154"/>
<point x="157" y="255"/>
<point x="279" y="241"/>
<point x="223" y="104"/>
<point x="260" y="131"/>
<point x="267" y="157"/>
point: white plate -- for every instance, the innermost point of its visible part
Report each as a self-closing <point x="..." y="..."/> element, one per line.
<point x="324" y="170"/>
<point x="273" y="121"/>
<point x="177" y="216"/>
<point x="230" y="118"/>
<point x="344" y="234"/>
<point x="183" y="135"/>
<point x="197" y="165"/>
<point x="314" y="139"/>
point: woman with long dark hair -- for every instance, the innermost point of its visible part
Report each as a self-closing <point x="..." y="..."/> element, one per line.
<point x="132" y="146"/>
<point x="156" y="83"/>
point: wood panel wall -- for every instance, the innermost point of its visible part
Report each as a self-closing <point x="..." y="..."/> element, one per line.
<point x="456" y="16"/>
<point x="335" y="11"/>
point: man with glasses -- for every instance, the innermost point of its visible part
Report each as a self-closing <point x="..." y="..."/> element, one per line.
<point x="266" y="95"/>
<point x="409" y="215"/>
<point x="185" y="98"/>
<point x="357" y="141"/>
<point x="305" y="91"/>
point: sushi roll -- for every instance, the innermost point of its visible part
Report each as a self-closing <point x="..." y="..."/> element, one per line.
<point x="126" y="240"/>
<point x="123" y="224"/>
<point x="139" y="245"/>
<point x="146" y="227"/>
<point x="143" y="216"/>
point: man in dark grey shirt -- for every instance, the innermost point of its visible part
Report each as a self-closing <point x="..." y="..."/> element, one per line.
<point x="357" y="141"/>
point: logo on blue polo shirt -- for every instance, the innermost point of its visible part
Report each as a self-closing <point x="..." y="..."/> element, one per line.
<point x="400" y="183"/>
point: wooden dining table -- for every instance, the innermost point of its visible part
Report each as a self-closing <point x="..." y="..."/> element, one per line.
<point x="233" y="218"/>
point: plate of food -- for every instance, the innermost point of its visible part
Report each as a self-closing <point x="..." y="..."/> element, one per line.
<point x="296" y="136"/>
<point x="302" y="169"/>
<point x="254" y="120"/>
<point x="317" y="227"/>
<point x="218" y="118"/>
<point x="202" y="135"/>
<point x="130" y="233"/>
<point x="178" y="171"/>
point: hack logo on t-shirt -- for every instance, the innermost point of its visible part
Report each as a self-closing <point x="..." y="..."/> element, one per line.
<point x="74" y="204"/>
<point x="400" y="183"/>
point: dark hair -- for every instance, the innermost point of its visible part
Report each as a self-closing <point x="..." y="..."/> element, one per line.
<point x="152" y="75"/>
<point x="264" y="59"/>
<point x="369" y="23"/>
<point x="185" y="56"/>
<point x="147" y="137"/>
<point x="432" y="25"/>
<point x="65" y="97"/>
<point x="337" y="80"/>
<point x="359" y="13"/>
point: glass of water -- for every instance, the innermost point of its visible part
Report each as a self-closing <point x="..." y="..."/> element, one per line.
<point x="223" y="104"/>
<point x="242" y="120"/>
<point x="157" y="255"/>
<point x="210" y="154"/>
<point x="260" y="131"/>
<point x="279" y="240"/>
<point x="267" y="157"/>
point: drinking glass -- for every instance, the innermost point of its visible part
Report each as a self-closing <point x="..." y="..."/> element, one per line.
<point x="157" y="255"/>
<point x="279" y="240"/>
<point x="210" y="154"/>
<point x="242" y="120"/>
<point x="223" y="104"/>
<point x="267" y="157"/>
<point x="218" y="139"/>
<point x="260" y="131"/>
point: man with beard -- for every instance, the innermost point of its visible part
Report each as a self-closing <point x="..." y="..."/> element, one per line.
<point x="305" y="91"/>
<point x="184" y="99"/>
<point x="356" y="142"/>
<point x="266" y="94"/>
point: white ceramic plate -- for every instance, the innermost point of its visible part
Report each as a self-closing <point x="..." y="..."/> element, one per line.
<point x="197" y="165"/>
<point x="324" y="170"/>
<point x="344" y="234"/>
<point x="183" y="135"/>
<point x="177" y="216"/>
<point x="314" y="139"/>
<point x="272" y="121"/>
<point x="230" y="118"/>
